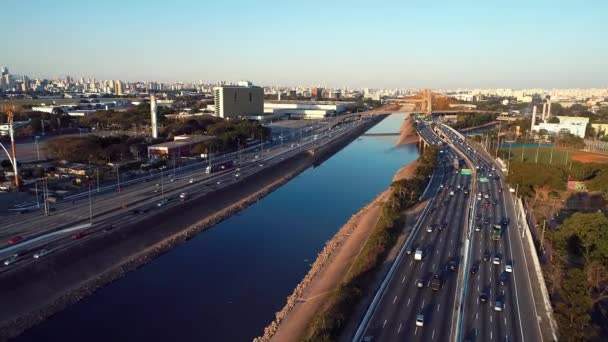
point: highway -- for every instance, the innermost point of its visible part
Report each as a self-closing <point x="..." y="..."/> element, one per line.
<point x="403" y="300"/>
<point x="460" y="234"/>
<point x="504" y="279"/>
<point x="114" y="210"/>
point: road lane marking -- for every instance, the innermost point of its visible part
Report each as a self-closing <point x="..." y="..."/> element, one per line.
<point x="490" y="318"/>
<point x="505" y="321"/>
<point x="398" y="330"/>
<point x="490" y="335"/>
<point x="415" y="330"/>
<point x="433" y="336"/>
<point x="383" y="324"/>
<point x="411" y="262"/>
<point x="403" y="280"/>
<point x="423" y="303"/>
<point x="394" y="300"/>
<point x="477" y="315"/>
<point x="438" y="306"/>
<point x="408" y="301"/>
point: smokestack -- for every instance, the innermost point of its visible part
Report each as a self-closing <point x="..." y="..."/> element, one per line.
<point x="544" y="111"/>
<point x="153" y="114"/>
<point x="533" y="118"/>
<point x="549" y="109"/>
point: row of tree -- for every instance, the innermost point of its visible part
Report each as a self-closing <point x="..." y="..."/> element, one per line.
<point x="468" y="120"/>
<point x="95" y="149"/>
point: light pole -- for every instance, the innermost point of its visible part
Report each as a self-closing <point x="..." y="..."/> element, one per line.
<point x="97" y="172"/>
<point x="90" y="205"/>
<point x="36" y="186"/>
<point x="117" y="178"/>
<point x="37" y="148"/>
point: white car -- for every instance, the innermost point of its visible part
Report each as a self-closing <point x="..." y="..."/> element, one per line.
<point x="191" y="180"/>
<point x="41" y="253"/>
<point x="499" y="305"/>
<point x="429" y="229"/>
<point x="496" y="260"/>
<point x="508" y="268"/>
<point x="11" y="260"/>
<point x="419" y="320"/>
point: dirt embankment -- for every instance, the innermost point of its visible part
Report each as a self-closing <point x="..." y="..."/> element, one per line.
<point x="329" y="269"/>
<point x="31" y="295"/>
<point x="407" y="133"/>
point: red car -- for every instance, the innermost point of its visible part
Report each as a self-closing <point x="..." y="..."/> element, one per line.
<point x="15" y="240"/>
<point x="77" y="236"/>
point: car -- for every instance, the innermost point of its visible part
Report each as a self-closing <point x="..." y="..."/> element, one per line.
<point x="24" y="211"/>
<point x="429" y="228"/>
<point x="147" y="179"/>
<point x="483" y="297"/>
<point x="502" y="279"/>
<point x="191" y="180"/>
<point x="41" y="253"/>
<point x="15" y="240"/>
<point x="496" y="260"/>
<point x="419" y="320"/>
<point x="508" y="268"/>
<point x="486" y="221"/>
<point x="77" y="235"/>
<point x="453" y="265"/>
<point x="478" y="228"/>
<point x="444" y="203"/>
<point x="409" y="250"/>
<point x="505" y="221"/>
<point x="172" y="180"/>
<point x="419" y="283"/>
<point x="474" y="268"/>
<point x="437" y="276"/>
<point x="237" y="175"/>
<point x="135" y="211"/>
<point x="11" y="260"/>
<point x="486" y="196"/>
<point x="219" y="182"/>
<point x="498" y="305"/>
<point x="486" y="255"/>
<point x="478" y="217"/>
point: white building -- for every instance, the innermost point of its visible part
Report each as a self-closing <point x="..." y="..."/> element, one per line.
<point x="567" y="124"/>
<point x="306" y="110"/>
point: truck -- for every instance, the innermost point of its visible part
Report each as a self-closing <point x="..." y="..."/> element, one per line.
<point x="418" y="254"/>
<point x="436" y="282"/>
<point x="496" y="232"/>
<point x="219" y="166"/>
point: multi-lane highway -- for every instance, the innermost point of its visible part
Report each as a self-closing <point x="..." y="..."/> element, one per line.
<point x="70" y="223"/>
<point x="498" y="302"/>
<point x="470" y="283"/>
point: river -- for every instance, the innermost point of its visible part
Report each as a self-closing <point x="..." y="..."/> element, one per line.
<point x="227" y="283"/>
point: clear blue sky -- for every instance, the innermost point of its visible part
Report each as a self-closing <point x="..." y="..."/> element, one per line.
<point x="381" y="43"/>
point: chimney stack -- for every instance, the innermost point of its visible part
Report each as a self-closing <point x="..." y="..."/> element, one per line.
<point x="544" y="111"/>
<point x="153" y="116"/>
<point x="549" y="109"/>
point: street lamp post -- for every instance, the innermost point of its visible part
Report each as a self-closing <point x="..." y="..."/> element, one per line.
<point x="37" y="148"/>
<point x="90" y="205"/>
<point x="36" y="186"/>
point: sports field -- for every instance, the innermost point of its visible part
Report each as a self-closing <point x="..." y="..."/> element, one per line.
<point x="550" y="155"/>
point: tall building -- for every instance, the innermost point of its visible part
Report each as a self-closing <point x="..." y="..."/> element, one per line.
<point x="4" y="71"/>
<point x="118" y="87"/>
<point x="236" y="101"/>
<point x="316" y="93"/>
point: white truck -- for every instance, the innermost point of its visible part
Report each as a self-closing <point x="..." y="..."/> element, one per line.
<point x="418" y="254"/>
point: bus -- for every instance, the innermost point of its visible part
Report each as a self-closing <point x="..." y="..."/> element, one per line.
<point x="496" y="232"/>
<point x="219" y="166"/>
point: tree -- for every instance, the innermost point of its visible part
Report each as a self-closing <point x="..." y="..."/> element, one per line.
<point x="553" y="119"/>
<point x="586" y="234"/>
<point x="572" y="313"/>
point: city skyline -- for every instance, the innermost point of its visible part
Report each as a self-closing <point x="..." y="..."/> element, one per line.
<point x="387" y="45"/>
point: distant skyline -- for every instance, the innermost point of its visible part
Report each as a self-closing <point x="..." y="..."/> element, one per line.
<point x="378" y="44"/>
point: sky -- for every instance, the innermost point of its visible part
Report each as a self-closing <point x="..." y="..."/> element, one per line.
<point x="377" y="44"/>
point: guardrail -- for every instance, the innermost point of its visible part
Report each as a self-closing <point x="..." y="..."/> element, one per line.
<point x="389" y="276"/>
<point x="523" y="222"/>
